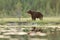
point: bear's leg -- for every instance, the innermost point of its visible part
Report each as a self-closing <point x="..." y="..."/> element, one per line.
<point x="33" y="18"/>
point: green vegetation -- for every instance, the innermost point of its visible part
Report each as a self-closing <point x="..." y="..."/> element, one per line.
<point x="18" y="8"/>
<point x="45" y="20"/>
<point x="16" y="11"/>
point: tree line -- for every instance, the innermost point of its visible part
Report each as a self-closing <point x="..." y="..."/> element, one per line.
<point x="19" y="8"/>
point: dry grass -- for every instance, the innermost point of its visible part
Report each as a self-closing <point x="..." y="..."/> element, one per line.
<point x="45" y="20"/>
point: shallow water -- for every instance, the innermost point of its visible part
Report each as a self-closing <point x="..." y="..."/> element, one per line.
<point x="28" y="38"/>
<point x="39" y="39"/>
<point x="54" y="36"/>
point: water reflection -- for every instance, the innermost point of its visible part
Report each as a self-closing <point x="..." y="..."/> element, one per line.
<point x="39" y="39"/>
<point x="54" y="34"/>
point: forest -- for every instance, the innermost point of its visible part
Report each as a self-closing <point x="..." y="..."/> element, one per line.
<point x="19" y="8"/>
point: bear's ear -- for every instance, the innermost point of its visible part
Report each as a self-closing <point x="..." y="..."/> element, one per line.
<point x="29" y="10"/>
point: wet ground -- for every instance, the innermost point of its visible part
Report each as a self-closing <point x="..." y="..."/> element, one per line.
<point x="52" y="36"/>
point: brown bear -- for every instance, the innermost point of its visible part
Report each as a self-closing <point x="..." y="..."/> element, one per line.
<point x="35" y="15"/>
